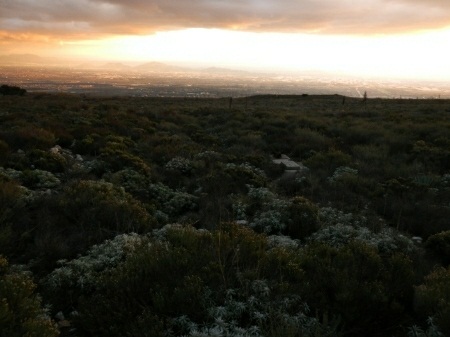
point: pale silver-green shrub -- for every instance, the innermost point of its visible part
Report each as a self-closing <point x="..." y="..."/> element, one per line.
<point x="172" y="202"/>
<point x="330" y="216"/>
<point x="386" y="241"/>
<point x="83" y="272"/>
<point x="342" y="172"/>
<point x="179" y="164"/>
<point x="286" y="316"/>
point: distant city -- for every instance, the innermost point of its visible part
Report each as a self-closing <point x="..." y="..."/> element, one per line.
<point x="161" y="80"/>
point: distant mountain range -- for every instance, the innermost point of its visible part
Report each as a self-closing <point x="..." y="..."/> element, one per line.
<point x="156" y="67"/>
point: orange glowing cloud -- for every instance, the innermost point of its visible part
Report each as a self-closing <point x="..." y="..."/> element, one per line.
<point x="84" y="17"/>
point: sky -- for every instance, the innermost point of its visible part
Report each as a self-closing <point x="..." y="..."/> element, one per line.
<point x="383" y="38"/>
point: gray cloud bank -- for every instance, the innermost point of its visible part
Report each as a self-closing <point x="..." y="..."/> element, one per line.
<point x="85" y="17"/>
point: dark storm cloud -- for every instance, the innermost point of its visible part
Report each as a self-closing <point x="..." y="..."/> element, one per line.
<point x="87" y="17"/>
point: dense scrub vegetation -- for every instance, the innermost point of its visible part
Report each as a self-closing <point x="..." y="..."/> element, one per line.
<point x="130" y="216"/>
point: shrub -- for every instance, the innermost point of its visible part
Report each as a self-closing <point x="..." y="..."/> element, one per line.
<point x="21" y="312"/>
<point x="4" y="151"/>
<point x="89" y="145"/>
<point x="189" y="282"/>
<point x="387" y="241"/>
<point x="303" y="218"/>
<point x="367" y="291"/>
<point x="12" y="215"/>
<point x="341" y="174"/>
<point x="439" y="245"/>
<point x="102" y="206"/>
<point x="244" y="174"/>
<point x="39" y="179"/>
<point x="330" y="216"/>
<point x="80" y="276"/>
<point x="159" y="278"/>
<point x="179" y="165"/>
<point x="46" y="160"/>
<point x="433" y="298"/>
<point x="132" y="181"/>
<point x="308" y="140"/>
<point x="171" y="202"/>
<point x="116" y="152"/>
<point x="82" y="214"/>
<point x="272" y="214"/>
<point x="431" y="331"/>
<point x="326" y="162"/>
<point x="268" y="221"/>
<point x="33" y="137"/>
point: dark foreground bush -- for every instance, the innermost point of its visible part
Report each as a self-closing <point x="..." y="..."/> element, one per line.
<point x="186" y="282"/>
<point x="233" y="282"/>
<point x="433" y="298"/>
<point x="439" y="245"/>
<point x="21" y="313"/>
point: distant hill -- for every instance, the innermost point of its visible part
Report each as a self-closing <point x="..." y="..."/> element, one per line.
<point x="115" y="66"/>
<point x="224" y="71"/>
<point x="158" y="67"/>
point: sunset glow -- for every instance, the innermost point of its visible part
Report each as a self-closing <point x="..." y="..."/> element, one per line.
<point x="405" y="38"/>
<point x="410" y="55"/>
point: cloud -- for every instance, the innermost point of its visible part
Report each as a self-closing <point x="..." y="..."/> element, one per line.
<point x="109" y="17"/>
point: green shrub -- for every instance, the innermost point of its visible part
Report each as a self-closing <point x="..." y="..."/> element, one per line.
<point x="270" y="215"/>
<point x="33" y="137"/>
<point x="386" y="241"/>
<point x="4" y="151"/>
<point x="21" y="312"/>
<point x="171" y="202"/>
<point x="433" y="298"/>
<point x="355" y="283"/>
<point x="431" y="331"/>
<point x="439" y="245"/>
<point x="79" y="277"/>
<point x="102" y="206"/>
<point x="132" y="181"/>
<point x="47" y="161"/>
<point x="39" y="179"/>
<point x="12" y="215"/>
<point x="309" y="141"/>
<point x="244" y="174"/>
<point x="82" y="214"/>
<point x="326" y="162"/>
<point x="119" y="159"/>
<point x="199" y="283"/>
<point x="303" y="218"/>
<point x="89" y="145"/>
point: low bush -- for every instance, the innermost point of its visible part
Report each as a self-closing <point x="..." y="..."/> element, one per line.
<point x="355" y="284"/>
<point x="89" y="204"/>
<point x="21" y="311"/>
<point x="193" y="283"/>
<point x="439" y="245"/>
<point x="433" y="298"/>
<point x="303" y="218"/>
